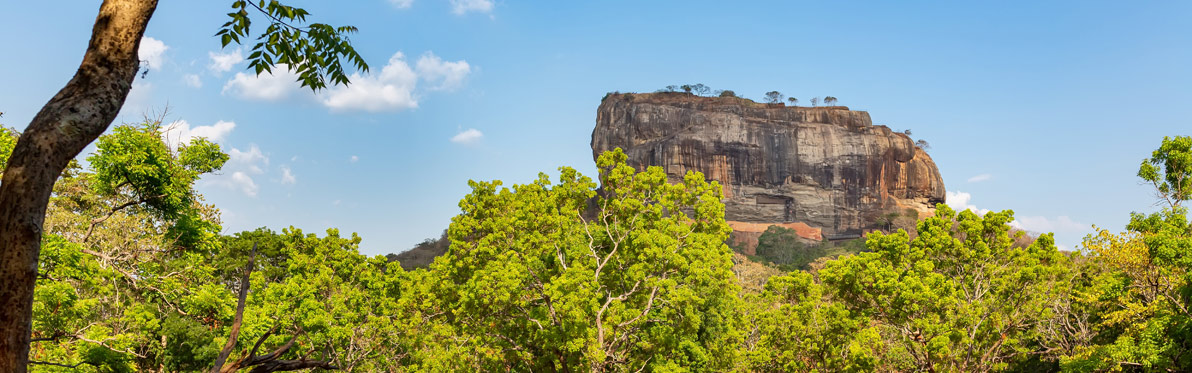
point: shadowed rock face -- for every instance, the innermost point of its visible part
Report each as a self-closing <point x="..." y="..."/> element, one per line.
<point x="827" y="167"/>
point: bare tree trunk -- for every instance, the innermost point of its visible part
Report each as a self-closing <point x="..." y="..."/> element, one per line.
<point x="73" y="118"/>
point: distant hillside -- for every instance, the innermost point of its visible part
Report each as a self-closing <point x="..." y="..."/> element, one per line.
<point x="422" y="254"/>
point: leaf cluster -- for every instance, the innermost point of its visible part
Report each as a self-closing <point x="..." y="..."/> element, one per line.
<point x="316" y="52"/>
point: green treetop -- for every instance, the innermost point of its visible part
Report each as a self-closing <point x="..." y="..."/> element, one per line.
<point x="562" y="276"/>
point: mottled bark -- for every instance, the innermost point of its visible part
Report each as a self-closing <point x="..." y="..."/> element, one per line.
<point x="73" y="118"/>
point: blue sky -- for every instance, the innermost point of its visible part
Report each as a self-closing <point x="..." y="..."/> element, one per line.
<point x="1045" y="108"/>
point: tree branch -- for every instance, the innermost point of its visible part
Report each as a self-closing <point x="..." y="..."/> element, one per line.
<point x="239" y="318"/>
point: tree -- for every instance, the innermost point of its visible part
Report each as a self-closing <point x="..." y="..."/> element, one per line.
<point x="829" y="100"/>
<point x="794" y="327"/>
<point x="922" y="144"/>
<point x="1141" y="300"/>
<point x="700" y="89"/>
<point x="86" y="106"/>
<point x="783" y="247"/>
<point x="135" y="277"/>
<point x="958" y="297"/>
<point x="121" y="243"/>
<point x="792" y="100"/>
<point x="726" y="93"/>
<point x="687" y="88"/>
<point x="1170" y="170"/>
<point x="815" y="101"/>
<point x="319" y="304"/>
<point x="773" y="97"/>
<point x="1138" y="300"/>
<point x="535" y="280"/>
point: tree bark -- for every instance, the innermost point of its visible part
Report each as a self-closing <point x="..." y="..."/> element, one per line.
<point x="73" y="118"/>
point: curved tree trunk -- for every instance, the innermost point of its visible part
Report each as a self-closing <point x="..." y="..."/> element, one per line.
<point x="73" y="118"/>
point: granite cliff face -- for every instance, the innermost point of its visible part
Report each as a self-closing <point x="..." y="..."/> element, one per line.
<point x="825" y="171"/>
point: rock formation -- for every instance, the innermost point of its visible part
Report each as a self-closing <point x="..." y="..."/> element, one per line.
<point x="823" y="171"/>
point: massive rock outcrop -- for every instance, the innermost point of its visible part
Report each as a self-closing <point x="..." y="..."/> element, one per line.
<point x="824" y="171"/>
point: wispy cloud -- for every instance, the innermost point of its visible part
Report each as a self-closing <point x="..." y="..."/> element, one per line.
<point x="287" y="176"/>
<point x="980" y="178"/>
<point x="153" y="52"/>
<point x="396" y="88"/>
<point x="275" y="86"/>
<point x="243" y="165"/>
<point x="224" y="62"/>
<point x="192" y="81"/>
<point x="461" y="7"/>
<point x="180" y="132"/>
<point x="442" y="75"/>
<point x="1044" y="224"/>
<point x="470" y="136"/>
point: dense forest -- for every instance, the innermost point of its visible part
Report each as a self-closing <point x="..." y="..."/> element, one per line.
<point x="117" y="263"/>
<point x="625" y="272"/>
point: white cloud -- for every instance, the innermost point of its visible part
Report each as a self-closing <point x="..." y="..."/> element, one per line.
<point x="402" y="4"/>
<point x="224" y="62"/>
<point x="443" y="75"/>
<point x="243" y="166"/>
<point x="252" y="159"/>
<point x="275" y="86"/>
<point x="180" y="132"/>
<point x="192" y="80"/>
<point x="394" y="89"/>
<point x="1044" y="224"/>
<point x="460" y="7"/>
<point x="354" y="159"/>
<point x="470" y="136"/>
<point x="287" y="176"/>
<point x="152" y="51"/>
<point x="244" y="183"/>
<point x="960" y="201"/>
<point x="391" y="91"/>
<point x="980" y="178"/>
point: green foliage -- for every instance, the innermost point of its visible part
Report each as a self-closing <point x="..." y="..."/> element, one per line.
<point x="537" y="281"/>
<point x="134" y="275"/>
<point x="8" y="140"/>
<point x="1140" y="289"/>
<point x="793" y="327"/>
<point x="135" y="169"/>
<point x="340" y="305"/>
<point x="784" y="248"/>
<point x="957" y="297"/>
<point x="773" y="97"/>
<point x="123" y="263"/>
<point x="1170" y="169"/>
<point x="313" y="51"/>
<point x="135" y="157"/>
